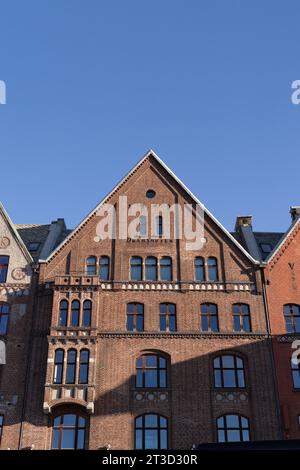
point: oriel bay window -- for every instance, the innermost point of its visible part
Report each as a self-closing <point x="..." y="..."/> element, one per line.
<point x="241" y="317"/>
<point x="151" y="371"/>
<point x="136" y="268"/>
<point x="4" y="314"/>
<point x="135" y="317"/>
<point x="63" y="313"/>
<point x="84" y="366"/>
<point x="233" y="428"/>
<point x="151" y="432"/>
<point x="292" y="318"/>
<point x="58" y="366"/>
<point x="69" y="432"/>
<point x="151" y="268"/>
<point x="167" y="317"/>
<point x="229" y="372"/>
<point x="75" y="313"/>
<point x="71" y="366"/>
<point x="104" y="268"/>
<point x="209" y="317"/>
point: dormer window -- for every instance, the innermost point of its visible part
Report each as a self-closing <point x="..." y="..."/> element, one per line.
<point x="33" y="246"/>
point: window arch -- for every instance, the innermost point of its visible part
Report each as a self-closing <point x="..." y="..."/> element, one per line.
<point x="84" y="366"/>
<point x="292" y="318"/>
<point x="212" y="269"/>
<point x="151" y="432"/>
<point x="4" y="315"/>
<point x="151" y="371"/>
<point x="166" y="268"/>
<point x="167" y="317"/>
<point x="233" y="428"/>
<point x="71" y="366"/>
<point x="104" y="268"/>
<point x="69" y="431"/>
<point x="229" y="371"/>
<point x="135" y="316"/>
<point x="58" y="366"/>
<point x="151" y="268"/>
<point x="241" y="317"/>
<point x="63" y="312"/>
<point x="87" y="313"/>
<point x="136" y="268"/>
<point x="199" y="269"/>
<point x="75" y="310"/>
<point x="91" y="266"/>
<point x="209" y="317"/>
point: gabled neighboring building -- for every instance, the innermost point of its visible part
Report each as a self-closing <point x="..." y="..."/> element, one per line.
<point x="141" y="343"/>
<point x="17" y="299"/>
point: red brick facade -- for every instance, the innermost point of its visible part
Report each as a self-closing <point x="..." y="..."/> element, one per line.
<point x="191" y="402"/>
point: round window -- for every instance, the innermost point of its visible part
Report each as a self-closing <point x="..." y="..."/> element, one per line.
<point x="150" y="194"/>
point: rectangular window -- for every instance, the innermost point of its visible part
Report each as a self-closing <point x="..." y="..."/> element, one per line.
<point x="4" y="261"/>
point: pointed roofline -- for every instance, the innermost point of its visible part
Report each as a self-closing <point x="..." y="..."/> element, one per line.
<point x="282" y="241"/>
<point x="15" y="233"/>
<point x="196" y="200"/>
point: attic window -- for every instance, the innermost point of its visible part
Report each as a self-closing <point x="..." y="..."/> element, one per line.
<point x="150" y="194"/>
<point x="33" y="246"/>
<point x="266" y="247"/>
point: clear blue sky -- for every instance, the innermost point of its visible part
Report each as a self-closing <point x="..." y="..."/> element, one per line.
<point x="92" y="85"/>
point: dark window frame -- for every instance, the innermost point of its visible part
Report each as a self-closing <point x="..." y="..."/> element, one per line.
<point x="199" y="263"/>
<point x="75" y="313"/>
<point x="84" y="367"/>
<point x="240" y="316"/>
<point x="212" y="263"/>
<point x="64" y="311"/>
<point x="71" y="367"/>
<point x="136" y="262"/>
<point x="61" y="428"/>
<point x="166" y="264"/>
<point x="58" y="365"/>
<point x="235" y="370"/>
<point x="167" y="317"/>
<point x="209" y="316"/>
<point x="292" y="315"/>
<point x="4" y="318"/>
<point x="4" y="268"/>
<point x="87" y="311"/>
<point x="225" y="428"/>
<point x="151" y="263"/>
<point x="160" y="371"/>
<point x="134" y="316"/>
<point x="104" y="262"/>
<point x="91" y="264"/>
<point x="159" y="429"/>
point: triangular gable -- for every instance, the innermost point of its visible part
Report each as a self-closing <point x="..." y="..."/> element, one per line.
<point x="153" y="154"/>
<point x="283" y="240"/>
<point x="15" y="234"/>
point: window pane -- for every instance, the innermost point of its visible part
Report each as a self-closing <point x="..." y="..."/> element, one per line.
<point x="68" y="439"/>
<point x="4" y="260"/>
<point x="204" y="323"/>
<point x="80" y="439"/>
<point x="229" y="378"/>
<point x="221" y="436"/>
<point x="241" y="379"/>
<point x="214" y="323"/>
<point x="233" y="436"/>
<point x="3" y="324"/>
<point x="151" y="378"/>
<point x="232" y="421"/>
<point x="228" y="361"/>
<point x="246" y="436"/>
<point x="164" y="439"/>
<point x="151" y="439"/>
<point x="83" y="374"/>
<point x="69" y="420"/>
<point x="151" y="421"/>
<point x="139" y="323"/>
<point x="162" y="379"/>
<point x="104" y="268"/>
<point x="138" y="439"/>
<point x="139" y="378"/>
<point x="130" y="323"/>
<point x="218" y="380"/>
<point x="55" y="439"/>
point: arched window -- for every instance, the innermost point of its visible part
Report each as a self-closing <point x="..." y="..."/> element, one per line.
<point x="104" y="268"/>
<point x="159" y="226"/>
<point x="212" y="269"/>
<point x="136" y="268"/>
<point x="87" y="313"/>
<point x="68" y="432"/>
<point x="151" y="371"/>
<point x="199" y="269"/>
<point x="84" y="366"/>
<point x="292" y="318"/>
<point x="151" y="432"/>
<point x="241" y="317"/>
<point x="166" y="268"/>
<point x="229" y="372"/>
<point x="209" y="317"/>
<point x="63" y="313"/>
<point x="295" y="372"/>
<point x="91" y="266"/>
<point x="58" y="366"/>
<point x="167" y="317"/>
<point x="135" y="317"/>
<point x="233" y="428"/>
<point x="71" y="366"/>
<point x="4" y="262"/>
<point x="75" y="313"/>
<point x="151" y="268"/>
<point x="4" y="313"/>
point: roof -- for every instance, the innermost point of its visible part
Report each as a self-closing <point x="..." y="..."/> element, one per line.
<point x="15" y="233"/>
<point x="33" y="233"/>
<point x="262" y="238"/>
<point x="149" y="154"/>
<point x="283" y="239"/>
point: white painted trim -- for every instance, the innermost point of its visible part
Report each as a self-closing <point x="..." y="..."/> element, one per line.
<point x="196" y="200"/>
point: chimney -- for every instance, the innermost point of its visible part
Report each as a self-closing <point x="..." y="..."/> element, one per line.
<point x="295" y="212"/>
<point x="243" y="221"/>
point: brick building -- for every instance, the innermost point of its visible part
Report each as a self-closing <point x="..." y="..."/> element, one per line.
<point x="139" y="342"/>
